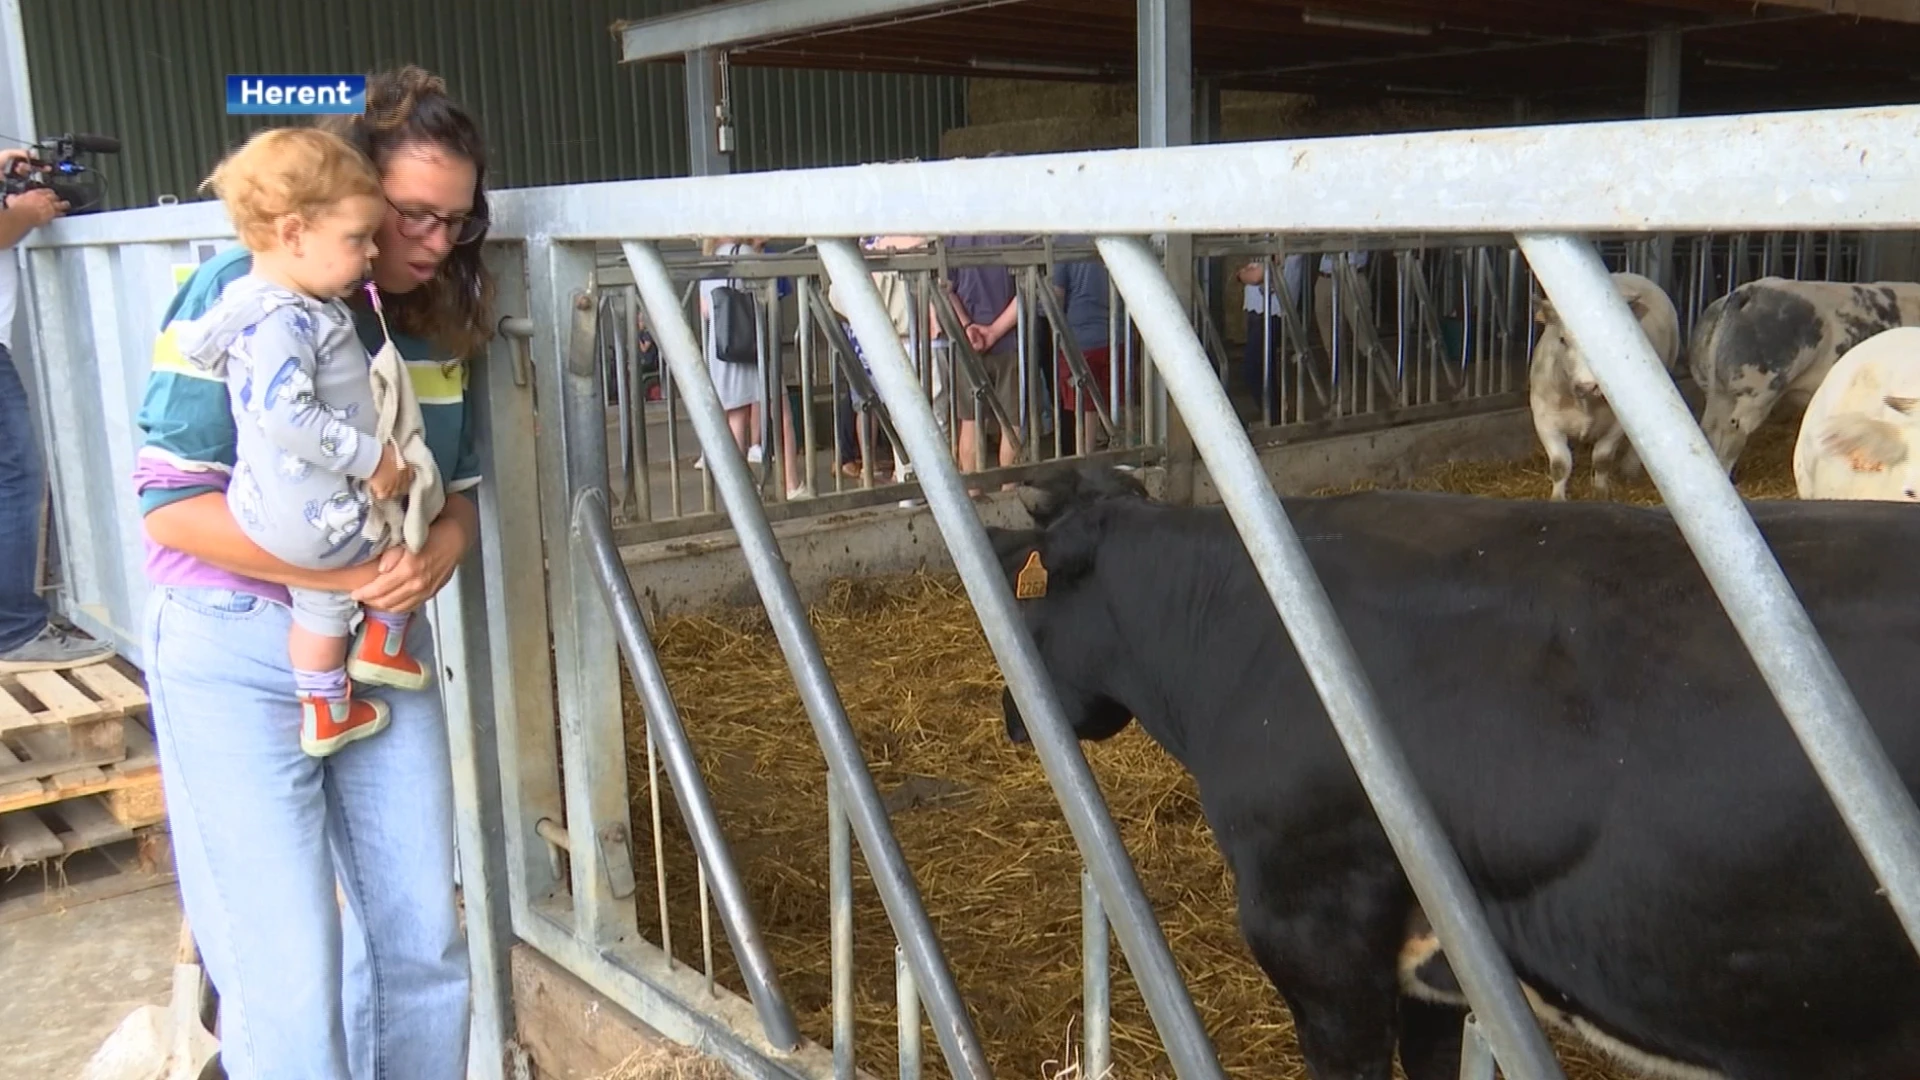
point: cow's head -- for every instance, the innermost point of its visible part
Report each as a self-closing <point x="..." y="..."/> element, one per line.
<point x="1567" y="356"/>
<point x="1051" y="569"/>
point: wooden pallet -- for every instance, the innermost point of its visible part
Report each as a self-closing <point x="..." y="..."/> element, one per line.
<point x="129" y="788"/>
<point x="54" y="722"/>
<point x="60" y="829"/>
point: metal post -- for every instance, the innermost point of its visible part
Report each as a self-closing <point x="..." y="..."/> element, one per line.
<point x="892" y="877"/>
<point x="1214" y="285"/>
<point x="1165" y="75"/>
<point x="592" y="739"/>
<point x="705" y="154"/>
<point x="1145" y="946"/>
<point x="1432" y="867"/>
<point x="511" y="555"/>
<point x="1788" y="650"/>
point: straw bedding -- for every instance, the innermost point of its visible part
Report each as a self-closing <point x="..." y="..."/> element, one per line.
<point x="978" y="822"/>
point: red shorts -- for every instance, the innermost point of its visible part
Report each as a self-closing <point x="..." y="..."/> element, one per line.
<point x="1099" y="364"/>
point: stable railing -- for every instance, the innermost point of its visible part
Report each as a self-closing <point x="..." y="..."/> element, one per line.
<point x="545" y="845"/>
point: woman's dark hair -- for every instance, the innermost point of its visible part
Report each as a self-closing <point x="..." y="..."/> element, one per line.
<point x="409" y="106"/>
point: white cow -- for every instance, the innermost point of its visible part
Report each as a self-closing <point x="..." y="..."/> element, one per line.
<point x="1860" y="437"/>
<point x="1566" y="398"/>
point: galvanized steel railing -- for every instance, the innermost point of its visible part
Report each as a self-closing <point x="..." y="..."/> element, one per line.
<point x="569" y="887"/>
<point x="1443" y="325"/>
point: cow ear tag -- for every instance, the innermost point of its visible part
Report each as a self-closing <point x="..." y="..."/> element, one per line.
<point x="1032" y="582"/>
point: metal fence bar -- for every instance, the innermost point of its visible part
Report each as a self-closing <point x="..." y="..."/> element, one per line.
<point x="594" y="539"/>
<point x="460" y="631"/>
<point x="892" y="878"/>
<point x="1476" y="1057"/>
<point x="1096" y="984"/>
<point x="840" y="929"/>
<point x="659" y="843"/>
<point x="592" y="741"/>
<point x="1788" y="650"/>
<point x="906" y="1007"/>
<point x="1433" y="869"/>
<point x="1158" y="977"/>
<point x="511" y="555"/>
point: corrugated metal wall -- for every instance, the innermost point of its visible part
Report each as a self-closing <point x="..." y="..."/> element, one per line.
<point x="542" y="76"/>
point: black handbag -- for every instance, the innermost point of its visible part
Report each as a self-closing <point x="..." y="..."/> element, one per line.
<point x="734" y="326"/>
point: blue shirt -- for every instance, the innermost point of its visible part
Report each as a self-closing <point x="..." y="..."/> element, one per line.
<point x="1085" y="284"/>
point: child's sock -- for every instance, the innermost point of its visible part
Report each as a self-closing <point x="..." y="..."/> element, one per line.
<point x="325" y="685"/>
<point x="395" y="622"/>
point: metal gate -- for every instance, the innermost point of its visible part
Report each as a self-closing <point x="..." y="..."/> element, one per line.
<point x="539" y="632"/>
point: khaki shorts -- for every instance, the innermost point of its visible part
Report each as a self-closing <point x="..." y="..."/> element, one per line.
<point x="1003" y="371"/>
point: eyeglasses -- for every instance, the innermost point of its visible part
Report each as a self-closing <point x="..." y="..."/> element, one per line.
<point x="419" y="224"/>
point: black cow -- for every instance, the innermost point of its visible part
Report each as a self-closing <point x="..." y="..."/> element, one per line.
<point x="1655" y="854"/>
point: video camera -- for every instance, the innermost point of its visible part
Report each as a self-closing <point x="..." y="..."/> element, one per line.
<point x="52" y="166"/>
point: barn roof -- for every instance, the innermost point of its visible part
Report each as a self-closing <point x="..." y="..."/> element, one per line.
<point x="1737" y="55"/>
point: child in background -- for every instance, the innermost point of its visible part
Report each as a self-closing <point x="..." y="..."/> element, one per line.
<point x="309" y="463"/>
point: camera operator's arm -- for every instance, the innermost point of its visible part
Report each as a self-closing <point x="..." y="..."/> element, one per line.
<point x="21" y="214"/>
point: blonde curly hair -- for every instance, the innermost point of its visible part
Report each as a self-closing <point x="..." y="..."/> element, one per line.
<point x="280" y="171"/>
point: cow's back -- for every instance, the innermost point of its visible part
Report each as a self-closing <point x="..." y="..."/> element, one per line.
<point x="1605" y="756"/>
<point x="1797" y="329"/>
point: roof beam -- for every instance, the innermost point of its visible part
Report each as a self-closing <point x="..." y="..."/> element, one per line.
<point x="1906" y="11"/>
<point x="743" y="22"/>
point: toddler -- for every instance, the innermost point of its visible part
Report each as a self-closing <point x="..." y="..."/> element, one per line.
<point x="309" y="465"/>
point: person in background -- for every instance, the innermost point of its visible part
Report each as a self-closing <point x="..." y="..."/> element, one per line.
<point x="29" y="641"/>
<point x="1259" y="347"/>
<point x="737" y="384"/>
<point x="895" y="295"/>
<point x="1082" y="286"/>
<point x="1323" y="300"/>
<point x="989" y="308"/>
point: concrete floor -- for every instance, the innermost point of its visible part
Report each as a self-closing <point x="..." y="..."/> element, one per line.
<point x="76" y="956"/>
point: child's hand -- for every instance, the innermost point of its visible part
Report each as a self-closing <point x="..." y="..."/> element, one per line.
<point x="392" y="477"/>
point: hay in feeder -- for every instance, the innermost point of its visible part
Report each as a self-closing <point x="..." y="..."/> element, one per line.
<point x="978" y="822"/>
<point x="667" y="1061"/>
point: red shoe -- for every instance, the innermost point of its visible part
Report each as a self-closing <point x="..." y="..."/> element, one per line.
<point x="326" y="726"/>
<point x="379" y="658"/>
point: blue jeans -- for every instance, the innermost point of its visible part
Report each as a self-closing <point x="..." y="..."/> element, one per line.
<point x="23" y="614"/>
<point x="308" y="991"/>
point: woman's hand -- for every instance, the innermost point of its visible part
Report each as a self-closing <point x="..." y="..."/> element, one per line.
<point x="408" y="579"/>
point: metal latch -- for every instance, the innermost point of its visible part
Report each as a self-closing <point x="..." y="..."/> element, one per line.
<point x="616" y="854"/>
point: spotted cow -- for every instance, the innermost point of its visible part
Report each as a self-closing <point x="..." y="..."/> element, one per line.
<point x="1565" y="397"/>
<point x="1776" y="339"/>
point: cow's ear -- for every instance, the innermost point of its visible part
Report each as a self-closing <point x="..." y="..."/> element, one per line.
<point x="1637" y="305"/>
<point x="1068" y="548"/>
<point x="1543" y="311"/>
<point x="1012" y="545"/>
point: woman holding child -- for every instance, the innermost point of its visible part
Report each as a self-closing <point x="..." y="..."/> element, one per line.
<point x="263" y="482"/>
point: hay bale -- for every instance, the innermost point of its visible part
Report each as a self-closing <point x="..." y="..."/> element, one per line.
<point x="977" y="820"/>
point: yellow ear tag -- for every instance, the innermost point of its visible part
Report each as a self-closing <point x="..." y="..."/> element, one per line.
<point x="1032" y="582"/>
